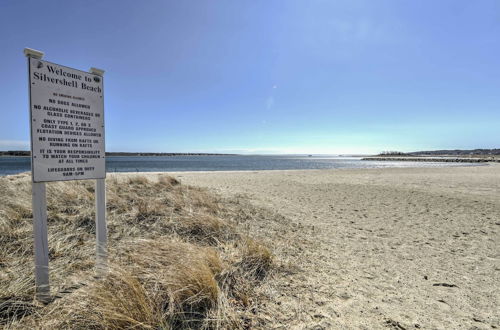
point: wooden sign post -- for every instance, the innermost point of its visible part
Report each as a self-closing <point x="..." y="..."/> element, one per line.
<point x="67" y="143"/>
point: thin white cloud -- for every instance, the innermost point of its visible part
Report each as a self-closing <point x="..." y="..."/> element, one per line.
<point x="14" y="144"/>
<point x="270" y="102"/>
<point x="362" y="30"/>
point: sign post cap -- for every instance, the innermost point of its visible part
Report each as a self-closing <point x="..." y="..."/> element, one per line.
<point x="97" y="71"/>
<point x="33" y="53"/>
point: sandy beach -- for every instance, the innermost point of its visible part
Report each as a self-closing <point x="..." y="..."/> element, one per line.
<point x="376" y="248"/>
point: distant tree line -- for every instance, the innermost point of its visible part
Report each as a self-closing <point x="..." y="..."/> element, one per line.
<point x="392" y="153"/>
<point x="164" y="154"/>
<point x="20" y="153"/>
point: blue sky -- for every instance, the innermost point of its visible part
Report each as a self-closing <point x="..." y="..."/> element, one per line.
<point x="268" y="76"/>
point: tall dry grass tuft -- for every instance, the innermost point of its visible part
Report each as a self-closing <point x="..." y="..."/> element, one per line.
<point x="206" y="229"/>
<point x="182" y="276"/>
<point x="257" y="258"/>
<point x="118" y="301"/>
<point x="167" y="182"/>
<point x="178" y="257"/>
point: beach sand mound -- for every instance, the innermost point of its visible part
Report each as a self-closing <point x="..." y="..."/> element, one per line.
<point x="179" y="257"/>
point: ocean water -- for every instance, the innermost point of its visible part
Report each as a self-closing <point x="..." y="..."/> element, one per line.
<point x="13" y="165"/>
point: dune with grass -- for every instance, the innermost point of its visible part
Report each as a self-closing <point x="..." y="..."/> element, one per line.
<point x="179" y="257"/>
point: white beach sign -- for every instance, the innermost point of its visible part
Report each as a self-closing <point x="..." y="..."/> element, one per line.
<point x="67" y="123"/>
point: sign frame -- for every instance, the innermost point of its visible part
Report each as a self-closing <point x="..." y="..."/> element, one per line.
<point x="39" y="204"/>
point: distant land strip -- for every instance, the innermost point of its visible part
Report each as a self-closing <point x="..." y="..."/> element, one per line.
<point x="435" y="159"/>
<point x="457" y="156"/>
<point x="22" y="153"/>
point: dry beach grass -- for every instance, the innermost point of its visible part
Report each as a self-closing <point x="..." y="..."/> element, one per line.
<point x="179" y="257"/>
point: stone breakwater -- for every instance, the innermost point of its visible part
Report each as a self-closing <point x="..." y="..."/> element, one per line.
<point x="434" y="159"/>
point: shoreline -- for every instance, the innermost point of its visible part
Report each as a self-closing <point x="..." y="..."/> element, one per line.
<point x="298" y="170"/>
<point x="284" y="170"/>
